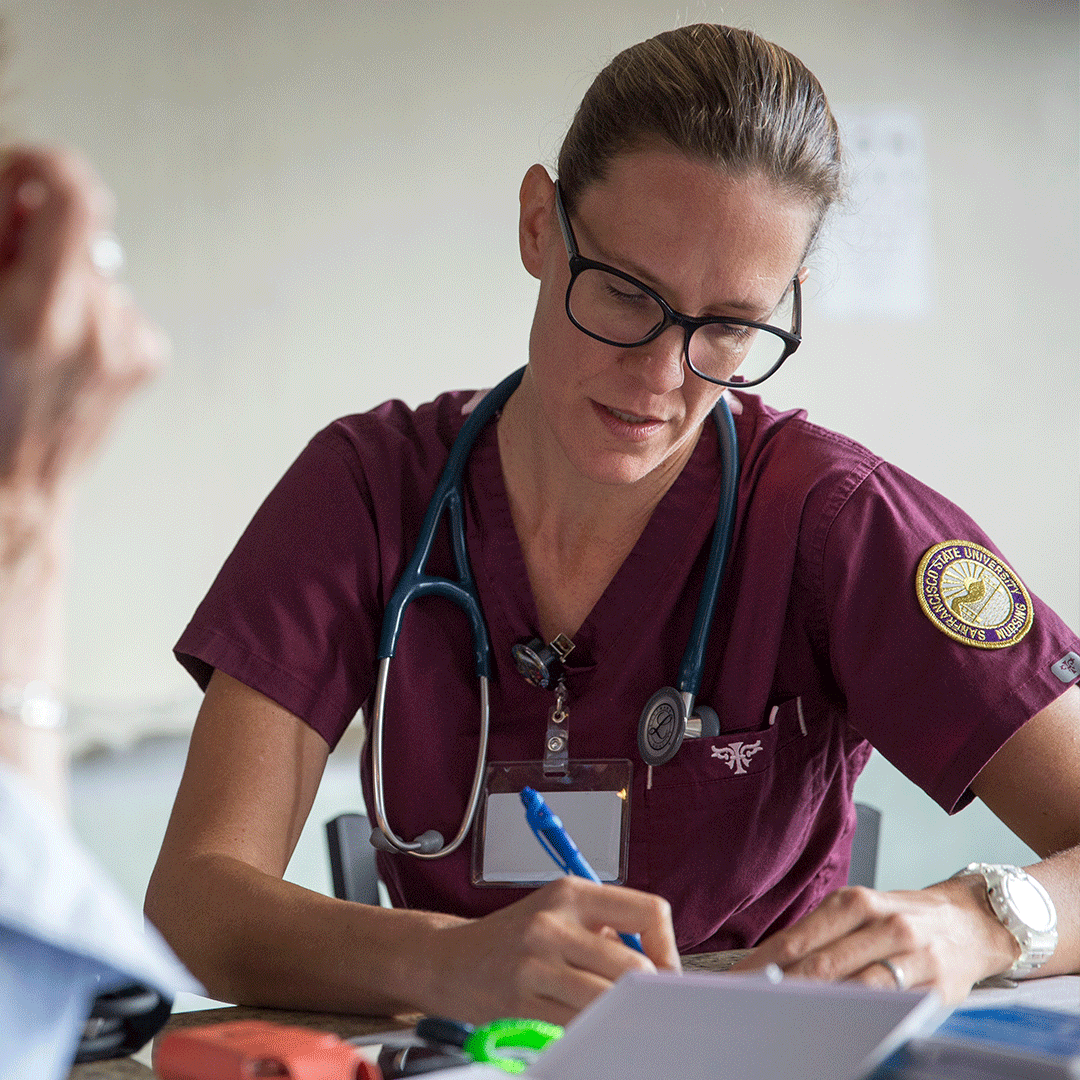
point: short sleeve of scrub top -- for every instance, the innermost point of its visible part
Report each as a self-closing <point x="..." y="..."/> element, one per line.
<point x="296" y="608"/>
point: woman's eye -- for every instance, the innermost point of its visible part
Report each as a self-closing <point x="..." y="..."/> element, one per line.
<point x="730" y="336"/>
<point x="733" y="331"/>
<point x="626" y="295"/>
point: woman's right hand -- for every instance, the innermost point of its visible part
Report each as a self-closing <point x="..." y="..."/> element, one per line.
<point x="549" y="954"/>
<point x="250" y="937"/>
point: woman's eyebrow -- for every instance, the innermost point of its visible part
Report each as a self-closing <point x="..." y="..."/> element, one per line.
<point x="748" y="308"/>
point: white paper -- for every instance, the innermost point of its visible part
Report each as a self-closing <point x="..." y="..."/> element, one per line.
<point x="740" y="1027"/>
<point x="881" y="241"/>
<point x="592" y="818"/>
<point x="474" y="1072"/>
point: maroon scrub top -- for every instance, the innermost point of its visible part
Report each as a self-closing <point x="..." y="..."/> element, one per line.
<point x="819" y="650"/>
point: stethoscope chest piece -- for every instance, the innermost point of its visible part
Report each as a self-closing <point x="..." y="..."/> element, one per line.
<point x="666" y="721"/>
<point x="662" y="726"/>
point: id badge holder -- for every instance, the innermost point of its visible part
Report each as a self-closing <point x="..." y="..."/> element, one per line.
<point x="592" y="798"/>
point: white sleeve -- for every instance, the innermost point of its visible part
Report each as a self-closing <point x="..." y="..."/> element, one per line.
<point x="66" y="935"/>
<point x="45" y="996"/>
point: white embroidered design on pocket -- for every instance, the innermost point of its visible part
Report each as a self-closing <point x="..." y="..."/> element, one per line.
<point x="737" y="755"/>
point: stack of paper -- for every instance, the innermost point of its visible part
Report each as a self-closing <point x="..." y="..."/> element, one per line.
<point x="738" y="1026"/>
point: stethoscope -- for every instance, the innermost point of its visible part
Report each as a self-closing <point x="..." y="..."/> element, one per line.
<point x="668" y="716"/>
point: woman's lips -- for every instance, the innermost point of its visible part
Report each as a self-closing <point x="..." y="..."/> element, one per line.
<point x="627" y="425"/>
<point x="629" y="418"/>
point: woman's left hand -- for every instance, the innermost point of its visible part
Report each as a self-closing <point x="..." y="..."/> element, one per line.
<point x="945" y="937"/>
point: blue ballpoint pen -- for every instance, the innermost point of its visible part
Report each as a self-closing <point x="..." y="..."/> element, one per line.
<point x="556" y="841"/>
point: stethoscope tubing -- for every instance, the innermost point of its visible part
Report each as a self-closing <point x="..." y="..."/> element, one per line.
<point x="414" y="583"/>
<point x="693" y="661"/>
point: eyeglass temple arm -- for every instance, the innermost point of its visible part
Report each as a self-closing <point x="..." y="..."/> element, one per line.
<point x="564" y="224"/>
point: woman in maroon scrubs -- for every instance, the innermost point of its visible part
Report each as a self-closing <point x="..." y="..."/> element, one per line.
<point x="692" y="184"/>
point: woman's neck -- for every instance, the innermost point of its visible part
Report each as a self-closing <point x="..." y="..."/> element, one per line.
<point x="574" y="533"/>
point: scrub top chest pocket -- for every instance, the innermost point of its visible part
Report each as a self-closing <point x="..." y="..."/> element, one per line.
<point x="745" y="802"/>
<point x="725" y="757"/>
<point x="733" y="754"/>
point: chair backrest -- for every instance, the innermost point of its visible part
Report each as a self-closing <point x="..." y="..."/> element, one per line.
<point x="864" y="846"/>
<point x="352" y="859"/>
<point x="355" y="877"/>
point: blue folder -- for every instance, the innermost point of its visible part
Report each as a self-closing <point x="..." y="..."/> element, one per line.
<point x="1010" y="1042"/>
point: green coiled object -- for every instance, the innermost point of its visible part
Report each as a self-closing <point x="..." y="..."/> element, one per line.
<point x="526" y="1038"/>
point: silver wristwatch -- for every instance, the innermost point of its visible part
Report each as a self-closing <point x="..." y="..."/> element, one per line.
<point x="1025" y="910"/>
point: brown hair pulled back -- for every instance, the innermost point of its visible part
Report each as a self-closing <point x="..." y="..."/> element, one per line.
<point x="714" y="92"/>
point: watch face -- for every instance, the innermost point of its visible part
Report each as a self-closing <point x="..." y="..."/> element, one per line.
<point x="1029" y="903"/>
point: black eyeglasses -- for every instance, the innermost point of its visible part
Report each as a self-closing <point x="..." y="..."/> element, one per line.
<point x="617" y="309"/>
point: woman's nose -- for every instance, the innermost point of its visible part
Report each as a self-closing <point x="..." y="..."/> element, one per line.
<point x="659" y="363"/>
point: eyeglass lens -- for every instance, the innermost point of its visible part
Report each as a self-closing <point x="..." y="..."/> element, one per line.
<point x="613" y="308"/>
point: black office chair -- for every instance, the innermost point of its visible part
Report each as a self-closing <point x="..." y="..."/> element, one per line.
<point x="352" y="858"/>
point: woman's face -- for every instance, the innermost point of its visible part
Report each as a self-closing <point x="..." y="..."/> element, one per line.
<point x="708" y="243"/>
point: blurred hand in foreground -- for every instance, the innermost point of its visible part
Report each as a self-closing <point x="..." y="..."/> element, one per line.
<point x="73" y="347"/>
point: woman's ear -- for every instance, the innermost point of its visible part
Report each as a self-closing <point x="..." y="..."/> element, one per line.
<point x="536" y="218"/>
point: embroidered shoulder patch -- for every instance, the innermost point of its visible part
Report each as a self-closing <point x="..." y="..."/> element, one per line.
<point x="968" y="593"/>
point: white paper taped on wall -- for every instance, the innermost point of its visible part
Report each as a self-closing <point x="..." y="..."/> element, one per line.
<point x="881" y="243"/>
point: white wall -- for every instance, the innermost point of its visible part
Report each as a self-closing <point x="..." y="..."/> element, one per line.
<point x="318" y="203"/>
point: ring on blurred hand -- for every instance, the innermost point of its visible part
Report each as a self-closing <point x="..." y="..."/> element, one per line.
<point x="895" y="971"/>
<point x="106" y="254"/>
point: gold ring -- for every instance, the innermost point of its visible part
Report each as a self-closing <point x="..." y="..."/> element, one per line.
<point x="895" y="971"/>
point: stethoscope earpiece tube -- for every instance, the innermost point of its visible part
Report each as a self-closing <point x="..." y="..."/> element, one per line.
<point x="413" y="584"/>
<point x="669" y="716"/>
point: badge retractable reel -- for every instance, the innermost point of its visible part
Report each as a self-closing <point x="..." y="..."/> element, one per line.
<point x="591" y="796"/>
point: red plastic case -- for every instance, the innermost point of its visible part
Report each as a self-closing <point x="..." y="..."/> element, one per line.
<point x="250" y="1049"/>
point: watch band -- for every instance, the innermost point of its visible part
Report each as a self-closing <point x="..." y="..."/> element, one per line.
<point x="1024" y="908"/>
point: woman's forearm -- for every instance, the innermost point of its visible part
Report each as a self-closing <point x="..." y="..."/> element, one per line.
<point x="254" y="939"/>
<point x="1060" y="876"/>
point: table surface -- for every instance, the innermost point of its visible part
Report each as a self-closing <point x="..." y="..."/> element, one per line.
<point x="1062" y="992"/>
